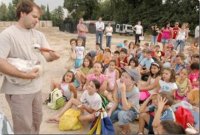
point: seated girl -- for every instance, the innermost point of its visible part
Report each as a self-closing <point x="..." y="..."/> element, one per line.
<point x="90" y="101"/>
<point x="194" y="75"/>
<point x="133" y="64"/>
<point x="97" y="74"/>
<point x="66" y="86"/>
<point x="167" y="82"/>
<point x="184" y="85"/>
<point x="112" y="75"/>
<point x="152" y="83"/>
<point x="84" y="71"/>
<point x="127" y="99"/>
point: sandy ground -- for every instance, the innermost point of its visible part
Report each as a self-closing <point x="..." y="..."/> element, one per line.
<point x="59" y="41"/>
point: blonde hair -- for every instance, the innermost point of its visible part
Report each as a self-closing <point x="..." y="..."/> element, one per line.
<point x="184" y="71"/>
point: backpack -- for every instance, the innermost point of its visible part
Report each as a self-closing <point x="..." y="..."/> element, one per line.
<point x="184" y="116"/>
<point x="56" y="99"/>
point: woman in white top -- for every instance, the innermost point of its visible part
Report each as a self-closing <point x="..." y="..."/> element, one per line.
<point x="181" y="38"/>
<point x="108" y="32"/>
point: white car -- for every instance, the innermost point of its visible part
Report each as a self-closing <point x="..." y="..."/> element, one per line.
<point x="124" y="29"/>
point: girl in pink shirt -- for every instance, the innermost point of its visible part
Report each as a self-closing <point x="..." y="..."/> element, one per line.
<point x="166" y="35"/>
<point x="97" y="74"/>
<point x="194" y="75"/>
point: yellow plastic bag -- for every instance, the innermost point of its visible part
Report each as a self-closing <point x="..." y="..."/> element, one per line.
<point x="70" y="121"/>
<point x="96" y="128"/>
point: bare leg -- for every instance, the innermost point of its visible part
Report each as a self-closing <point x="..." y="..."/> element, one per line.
<point x="144" y="117"/>
<point x="88" y="117"/>
<point x="125" y="129"/>
<point x="68" y="105"/>
<point x="114" y="106"/>
<point x="108" y="95"/>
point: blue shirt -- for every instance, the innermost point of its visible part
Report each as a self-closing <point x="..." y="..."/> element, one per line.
<point x="146" y="62"/>
<point x="168" y="114"/>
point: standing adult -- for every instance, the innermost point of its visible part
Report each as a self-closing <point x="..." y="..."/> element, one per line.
<point x="23" y="42"/>
<point x="99" y="31"/>
<point x="154" y="31"/>
<point x="196" y="35"/>
<point x="138" y="32"/>
<point x="181" y="38"/>
<point x="166" y="35"/>
<point x="108" y="31"/>
<point x="82" y="30"/>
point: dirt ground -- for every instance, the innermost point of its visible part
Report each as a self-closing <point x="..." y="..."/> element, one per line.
<point x="59" y="41"/>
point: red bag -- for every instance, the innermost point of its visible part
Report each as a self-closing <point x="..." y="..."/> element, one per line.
<point x="159" y="37"/>
<point x="184" y="116"/>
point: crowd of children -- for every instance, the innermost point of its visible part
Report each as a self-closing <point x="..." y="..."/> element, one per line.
<point x="123" y="76"/>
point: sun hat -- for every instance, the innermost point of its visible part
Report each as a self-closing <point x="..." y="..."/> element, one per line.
<point x="135" y="75"/>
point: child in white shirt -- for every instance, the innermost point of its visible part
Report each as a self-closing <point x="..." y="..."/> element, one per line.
<point x="80" y="50"/>
<point x="90" y="101"/>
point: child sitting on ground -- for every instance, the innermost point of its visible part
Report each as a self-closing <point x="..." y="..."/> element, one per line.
<point x="127" y="99"/>
<point x="82" y="72"/>
<point x="153" y="81"/>
<point x="194" y="75"/>
<point x="168" y="82"/>
<point x="184" y="85"/>
<point x="66" y="86"/>
<point x="90" y="101"/>
<point x="164" y="111"/>
<point x="122" y="61"/>
<point x="147" y="112"/>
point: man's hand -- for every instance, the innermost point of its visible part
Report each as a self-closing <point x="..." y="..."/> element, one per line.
<point x="54" y="55"/>
<point x="32" y="74"/>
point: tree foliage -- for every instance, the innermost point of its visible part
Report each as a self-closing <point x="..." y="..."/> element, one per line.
<point x="151" y="11"/>
<point x="84" y="8"/>
<point x="120" y="11"/>
<point x="3" y="12"/>
<point x="57" y="16"/>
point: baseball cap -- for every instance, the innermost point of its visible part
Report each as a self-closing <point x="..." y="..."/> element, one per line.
<point x="135" y="75"/>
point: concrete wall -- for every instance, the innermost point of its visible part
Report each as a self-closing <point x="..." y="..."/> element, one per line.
<point x="40" y="24"/>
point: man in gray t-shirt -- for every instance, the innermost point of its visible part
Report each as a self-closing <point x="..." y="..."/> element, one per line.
<point x="22" y="42"/>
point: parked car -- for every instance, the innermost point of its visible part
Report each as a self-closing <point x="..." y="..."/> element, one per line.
<point x="124" y="29"/>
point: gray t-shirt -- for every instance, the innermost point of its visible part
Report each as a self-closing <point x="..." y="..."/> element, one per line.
<point x="17" y="42"/>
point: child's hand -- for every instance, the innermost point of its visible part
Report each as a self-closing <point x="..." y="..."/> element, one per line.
<point x="161" y="102"/>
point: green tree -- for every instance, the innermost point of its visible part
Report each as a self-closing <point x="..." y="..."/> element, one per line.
<point x="3" y="12"/>
<point x="11" y="12"/>
<point x="57" y="16"/>
<point x="43" y="8"/>
<point x="15" y="2"/>
<point x="84" y="8"/>
<point x="47" y="13"/>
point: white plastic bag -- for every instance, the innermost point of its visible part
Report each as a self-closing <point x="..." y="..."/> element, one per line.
<point x="24" y="66"/>
<point x="141" y="38"/>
